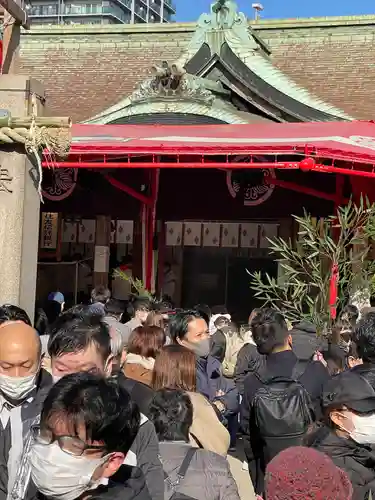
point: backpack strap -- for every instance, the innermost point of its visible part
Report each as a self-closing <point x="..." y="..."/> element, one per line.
<point x="181" y="471"/>
<point x="186" y="463"/>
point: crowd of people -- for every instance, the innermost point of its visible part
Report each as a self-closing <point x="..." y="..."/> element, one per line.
<point x="150" y="403"/>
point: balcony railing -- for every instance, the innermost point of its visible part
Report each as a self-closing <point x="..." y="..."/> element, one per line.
<point x="171" y="5"/>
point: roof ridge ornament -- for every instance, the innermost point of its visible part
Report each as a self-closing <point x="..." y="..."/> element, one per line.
<point x="224" y="14"/>
<point x="223" y="24"/>
<point x="173" y="82"/>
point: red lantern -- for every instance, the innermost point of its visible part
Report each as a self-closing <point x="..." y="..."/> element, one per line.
<point x="307" y="164"/>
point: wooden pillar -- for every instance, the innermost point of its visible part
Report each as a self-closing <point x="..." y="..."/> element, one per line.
<point x="102" y="250"/>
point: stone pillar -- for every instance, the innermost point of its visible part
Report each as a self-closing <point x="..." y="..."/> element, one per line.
<point x="102" y="250"/>
<point x="19" y="201"/>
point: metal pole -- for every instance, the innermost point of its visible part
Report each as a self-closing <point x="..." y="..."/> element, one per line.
<point x="76" y="285"/>
<point x="226" y="280"/>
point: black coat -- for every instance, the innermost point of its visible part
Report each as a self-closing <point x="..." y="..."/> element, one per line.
<point x="276" y="365"/>
<point x="218" y="345"/>
<point x="367" y="370"/>
<point x="248" y="361"/>
<point x="140" y="393"/>
<point x="357" y="461"/>
<point x="127" y="484"/>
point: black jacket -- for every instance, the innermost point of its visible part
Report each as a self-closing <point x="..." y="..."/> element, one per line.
<point x="276" y="365"/>
<point x="146" y="445"/>
<point x="218" y="345"/>
<point x="140" y="393"/>
<point x="357" y="461"/>
<point x="248" y="361"/>
<point x="127" y="484"/>
<point x="367" y="370"/>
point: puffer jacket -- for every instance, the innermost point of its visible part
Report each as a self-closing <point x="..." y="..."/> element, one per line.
<point x="207" y="478"/>
<point x="358" y="461"/>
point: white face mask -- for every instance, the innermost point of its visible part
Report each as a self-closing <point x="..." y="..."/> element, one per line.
<point x="364" y="428"/>
<point x="17" y="387"/>
<point x="57" y="474"/>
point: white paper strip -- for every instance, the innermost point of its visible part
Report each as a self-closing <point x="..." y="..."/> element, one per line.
<point x="49" y="230"/>
<point x="69" y="234"/>
<point x="124" y="232"/>
<point x="229" y="235"/>
<point x="267" y="231"/>
<point x="86" y="231"/>
<point x="192" y="234"/>
<point x="101" y="259"/>
<point x="173" y="234"/>
<point x="249" y="235"/>
<point x="211" y="234"/>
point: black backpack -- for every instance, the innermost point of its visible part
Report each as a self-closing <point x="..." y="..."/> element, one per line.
<point x="283" y="412"/>
<point x="173" y="485"/>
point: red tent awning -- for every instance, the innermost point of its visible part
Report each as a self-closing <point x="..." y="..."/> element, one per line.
<point x="350" y="141"/>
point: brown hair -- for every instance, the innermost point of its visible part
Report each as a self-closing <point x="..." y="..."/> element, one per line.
<point x="146" y="341"/>
<point x="155" y="319"/>
<point x="175" y="368"/>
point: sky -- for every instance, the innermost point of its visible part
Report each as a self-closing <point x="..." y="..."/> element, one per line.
<point x="190" y="10"/>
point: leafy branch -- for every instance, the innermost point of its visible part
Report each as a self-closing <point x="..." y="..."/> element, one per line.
<point x="303" y="290"/>
<point x="136" y="283"/>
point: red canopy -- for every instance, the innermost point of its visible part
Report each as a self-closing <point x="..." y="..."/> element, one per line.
<point x="351" y="141"/>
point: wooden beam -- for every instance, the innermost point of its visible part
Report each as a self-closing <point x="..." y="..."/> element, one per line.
<point x="14" y="17"/>
<point x="16" y="12"/>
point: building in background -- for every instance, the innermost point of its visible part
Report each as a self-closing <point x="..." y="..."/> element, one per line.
<point x="101" y="11"/>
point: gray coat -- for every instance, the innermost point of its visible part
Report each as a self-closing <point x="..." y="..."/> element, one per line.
<point x="208" y="476"/>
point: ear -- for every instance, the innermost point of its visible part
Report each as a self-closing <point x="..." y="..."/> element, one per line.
<point x="290" y="340"/>
<point x="123" y="356"/>
<point x="113" y="464"/>
<point x="352" y="361"/>
<point x="341" y="420"/>
<point x="109" y="366"/>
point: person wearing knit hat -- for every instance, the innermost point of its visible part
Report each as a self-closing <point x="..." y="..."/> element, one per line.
<point x="300" y="473"/>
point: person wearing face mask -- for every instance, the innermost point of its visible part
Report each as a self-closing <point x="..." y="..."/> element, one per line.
<point x="189" y="329"/>
<point x="87" y="427"/>
<point x="81" y="343"/>
<point x="23" y="388"/>
<point x="348" y="433"/>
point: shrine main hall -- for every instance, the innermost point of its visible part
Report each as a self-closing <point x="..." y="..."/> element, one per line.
<point x="210" y="224"/>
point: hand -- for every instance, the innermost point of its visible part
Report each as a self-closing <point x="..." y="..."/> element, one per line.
<point x="220" y="394"/>
<point x="220" y="406"/>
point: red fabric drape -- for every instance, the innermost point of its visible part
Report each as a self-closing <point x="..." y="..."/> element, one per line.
<point x="333" y="290"/>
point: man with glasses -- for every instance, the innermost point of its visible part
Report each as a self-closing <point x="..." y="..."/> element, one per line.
<point x="80" y="342"/>
<point x="87" y="427"/>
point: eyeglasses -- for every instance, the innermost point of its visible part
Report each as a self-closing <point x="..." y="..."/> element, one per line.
<point x="69" y="444"/>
